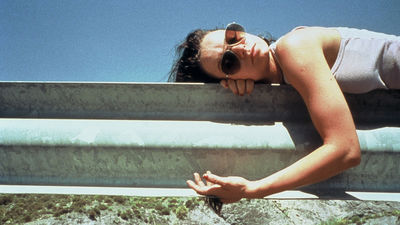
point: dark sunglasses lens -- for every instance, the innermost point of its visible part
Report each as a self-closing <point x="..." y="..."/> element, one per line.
<point x="234" y="33"/>
<point x="230" y="63"/>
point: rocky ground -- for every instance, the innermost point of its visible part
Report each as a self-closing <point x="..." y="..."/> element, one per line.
<point x="77" y="209"/>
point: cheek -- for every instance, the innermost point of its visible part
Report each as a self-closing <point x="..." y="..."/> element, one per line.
<point x="253" y="72"/>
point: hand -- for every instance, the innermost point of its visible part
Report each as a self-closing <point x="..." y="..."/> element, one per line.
<point x="228" y="189"/>
<point x="238" y="87"/>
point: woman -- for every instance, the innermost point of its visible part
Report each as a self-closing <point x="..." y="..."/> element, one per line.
<point x="319" y="63"/>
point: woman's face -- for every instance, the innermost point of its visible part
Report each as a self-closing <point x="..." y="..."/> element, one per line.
<point x="252" y="51"/>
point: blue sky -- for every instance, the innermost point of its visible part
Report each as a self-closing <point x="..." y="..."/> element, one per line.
<point x="134" y="41"/>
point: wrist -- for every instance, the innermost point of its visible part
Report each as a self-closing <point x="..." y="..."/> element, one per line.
<point x="253" y="190"/>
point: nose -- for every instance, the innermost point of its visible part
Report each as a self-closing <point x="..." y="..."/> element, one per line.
<point x="239" y="49"/>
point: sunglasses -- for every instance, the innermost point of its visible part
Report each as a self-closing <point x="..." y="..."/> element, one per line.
<point x="234" y="33"/>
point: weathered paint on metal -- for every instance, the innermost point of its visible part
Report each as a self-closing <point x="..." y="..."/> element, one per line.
<point x="157" y="135"/>
<point x="166" y="153"/>
<point x="175" y="101"/>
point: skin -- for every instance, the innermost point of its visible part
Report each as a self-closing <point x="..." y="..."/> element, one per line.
<point x="305" y="57"/>
<point x="257" y="62"/>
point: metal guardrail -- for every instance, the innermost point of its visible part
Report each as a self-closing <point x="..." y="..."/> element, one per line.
<point x="157" y="135"/>
<point x="174" y="101"/>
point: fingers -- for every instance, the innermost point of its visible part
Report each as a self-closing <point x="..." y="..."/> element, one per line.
<point x="198" y="180"/>
<point x="205" y="190"/>
<point x="241" y="86"/>
<point x="232" y="86"/>
<point x="227" y="189"/>
<point x="207" y="181"/>
<point x="238" y="87"/>
<point x="198" y="186"/>
<point x="220" y="187"/>
<point x="224" y="83"/>
<point x="249" y="86"/>
<point x="214" y="178"/>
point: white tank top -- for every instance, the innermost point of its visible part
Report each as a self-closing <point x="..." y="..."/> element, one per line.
<point x="366" y="61"/>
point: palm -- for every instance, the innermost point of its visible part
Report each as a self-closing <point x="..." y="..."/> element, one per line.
<point x="228" y="189"/>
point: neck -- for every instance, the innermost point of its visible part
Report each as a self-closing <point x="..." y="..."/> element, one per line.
<point x="274" y="73"/>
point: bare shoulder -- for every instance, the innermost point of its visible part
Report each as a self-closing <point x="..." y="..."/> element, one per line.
<point x="307" y="48"/>
<point x="315" y="37"/>
<point x="303" y="58"/>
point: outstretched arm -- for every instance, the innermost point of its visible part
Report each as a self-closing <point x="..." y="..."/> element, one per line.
<point x="303" y="55"/>
<point x="303" y="61"/>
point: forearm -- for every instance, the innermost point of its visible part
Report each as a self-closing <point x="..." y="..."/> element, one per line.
<point x="321" y="164"/>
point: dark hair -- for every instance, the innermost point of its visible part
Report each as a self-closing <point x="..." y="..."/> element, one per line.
<point x="187" y="66"/>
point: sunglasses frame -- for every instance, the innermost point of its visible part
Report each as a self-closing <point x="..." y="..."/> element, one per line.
<point x="230" y="63"/>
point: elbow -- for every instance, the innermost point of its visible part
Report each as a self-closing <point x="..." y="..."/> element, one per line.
<point x="348" y="153"/>
<point x="353" y="156"/>
<point x="354" y="161"/>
